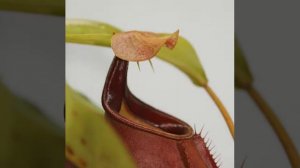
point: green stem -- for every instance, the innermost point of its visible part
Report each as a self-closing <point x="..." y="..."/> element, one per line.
<point x="281" y="133"/>
<point x="222" y="109"/>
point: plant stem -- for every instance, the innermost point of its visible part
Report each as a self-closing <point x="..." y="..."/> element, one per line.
<point x="281" y="133"/>
<point x="222" y="109"/>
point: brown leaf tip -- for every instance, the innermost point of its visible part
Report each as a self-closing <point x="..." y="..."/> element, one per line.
<point x="140" y="46"/>
<point x="172" y="40"/>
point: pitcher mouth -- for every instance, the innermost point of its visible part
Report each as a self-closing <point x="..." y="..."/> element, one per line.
<point x="119" y="103"/>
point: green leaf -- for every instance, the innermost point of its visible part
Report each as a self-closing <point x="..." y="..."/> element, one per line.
<point x="243" y="76"/>
<point x="89" y="32"/>
<point x="28" y="138"/>
<point x="90" y="141"/>
<point x="50" y="7"/>
<point x="183" y="56"/>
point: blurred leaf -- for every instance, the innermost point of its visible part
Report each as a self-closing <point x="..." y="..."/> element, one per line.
<point x="28" y="139"/>
<point x="183" y="56"/>
<point x="90" y="141"/>
<point x="243" y="76"/>
<point x="50" y="7"/>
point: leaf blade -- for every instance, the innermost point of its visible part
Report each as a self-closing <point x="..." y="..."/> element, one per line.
<point x="89" y="32"/>
<point x="183" y="56"/>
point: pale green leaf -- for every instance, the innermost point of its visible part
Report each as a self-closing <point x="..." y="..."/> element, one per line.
<point x="89" y="32"/>
<point x="184" y="57"/>
<point x="90" y="141"/>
